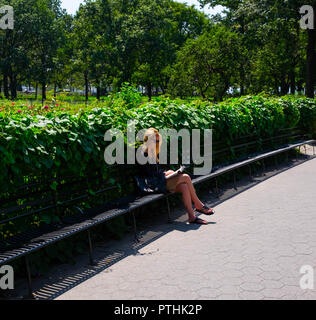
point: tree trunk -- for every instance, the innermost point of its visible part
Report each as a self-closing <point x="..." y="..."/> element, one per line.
<point x="36" y="87"/>
<point x="201" y="92"/>
<point x="276" y="85"/>
<point x="149" y="89"/>
<point x="242" y="90"/>
<point x="293" y="86"/>
<point x="86" y="84"/>
<point x="55" y="89"/>
<point x="221" y="93"/>
<point x="310" y="68"/>
<point x="43" y="91"/>
<point x="103" y="91"/>
<point x="98" y="90"/>
<point x="300" y="86"/>
<point x="284" y="88"/>
<point x="6" y="86"/>
<point x="13" y="86"/>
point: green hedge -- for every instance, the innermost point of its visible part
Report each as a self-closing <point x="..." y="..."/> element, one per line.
<point x="67" y="144"/>
<point x="60" y="144"/>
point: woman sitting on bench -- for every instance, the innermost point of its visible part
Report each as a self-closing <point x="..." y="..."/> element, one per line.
<point x="179" y="182"/>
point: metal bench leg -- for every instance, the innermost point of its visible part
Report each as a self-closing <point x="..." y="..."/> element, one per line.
<point x="216" y="188"/>
<point x="276" y="163"/>
<point x="92" y="263"/>
<point x="250" y="173"/>
<point x="29" y="279"/>
<point x="264" y="167"/>
<point x="235" y="185"/>
<point x="168" y="209"/>
<point x="136" y="239"/>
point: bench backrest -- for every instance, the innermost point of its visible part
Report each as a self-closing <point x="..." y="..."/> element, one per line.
<point x="46" y="200"/>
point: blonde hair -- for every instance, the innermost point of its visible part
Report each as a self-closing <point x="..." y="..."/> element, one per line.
<point x="150" y="146"/>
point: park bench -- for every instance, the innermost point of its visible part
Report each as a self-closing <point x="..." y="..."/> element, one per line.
<point x="66" y="202"/>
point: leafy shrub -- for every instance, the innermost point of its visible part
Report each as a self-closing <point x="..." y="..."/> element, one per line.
<point x="67" y="143"/>
<point x="61" y="142"/>
<point x="129" y="95"/>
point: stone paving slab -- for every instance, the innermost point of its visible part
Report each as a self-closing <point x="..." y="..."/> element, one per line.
<point x="253" y="248"/>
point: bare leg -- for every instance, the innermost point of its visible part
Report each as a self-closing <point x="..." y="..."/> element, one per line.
<point x="187" y="200"/>
<point x="185" y="178"/>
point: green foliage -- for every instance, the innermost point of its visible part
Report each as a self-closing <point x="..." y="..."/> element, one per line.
<point x="162" y="45"/>
<point x="207" y="65"/>
<point x="56" y="143"/>
<point x="68" y="143"/>
<point x="307" y="112"/>
<point x="130" y="96"/>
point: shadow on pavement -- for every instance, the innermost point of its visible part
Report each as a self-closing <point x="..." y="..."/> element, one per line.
<point x="63" y="278"/>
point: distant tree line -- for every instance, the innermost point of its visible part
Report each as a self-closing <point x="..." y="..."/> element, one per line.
<point x="161" y="45"/>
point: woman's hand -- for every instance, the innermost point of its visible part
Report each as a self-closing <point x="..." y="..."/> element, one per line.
<point x="167" y="173"/>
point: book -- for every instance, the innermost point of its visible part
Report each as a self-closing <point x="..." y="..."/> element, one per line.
<point x="179" y="171"/>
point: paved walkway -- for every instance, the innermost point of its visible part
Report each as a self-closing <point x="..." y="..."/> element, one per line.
<point x="253" y="248"/>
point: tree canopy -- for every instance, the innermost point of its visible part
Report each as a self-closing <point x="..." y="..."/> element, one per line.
<point x="161" y="45"/>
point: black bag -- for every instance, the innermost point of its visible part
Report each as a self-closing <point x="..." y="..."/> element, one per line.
<point x="154" y="184"/>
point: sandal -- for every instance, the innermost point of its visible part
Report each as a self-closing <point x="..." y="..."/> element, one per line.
<point x="207" y="212"/>
<point x="198" y="220"/>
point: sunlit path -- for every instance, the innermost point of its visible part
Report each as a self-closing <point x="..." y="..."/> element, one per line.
<point x="254" y="249"/>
